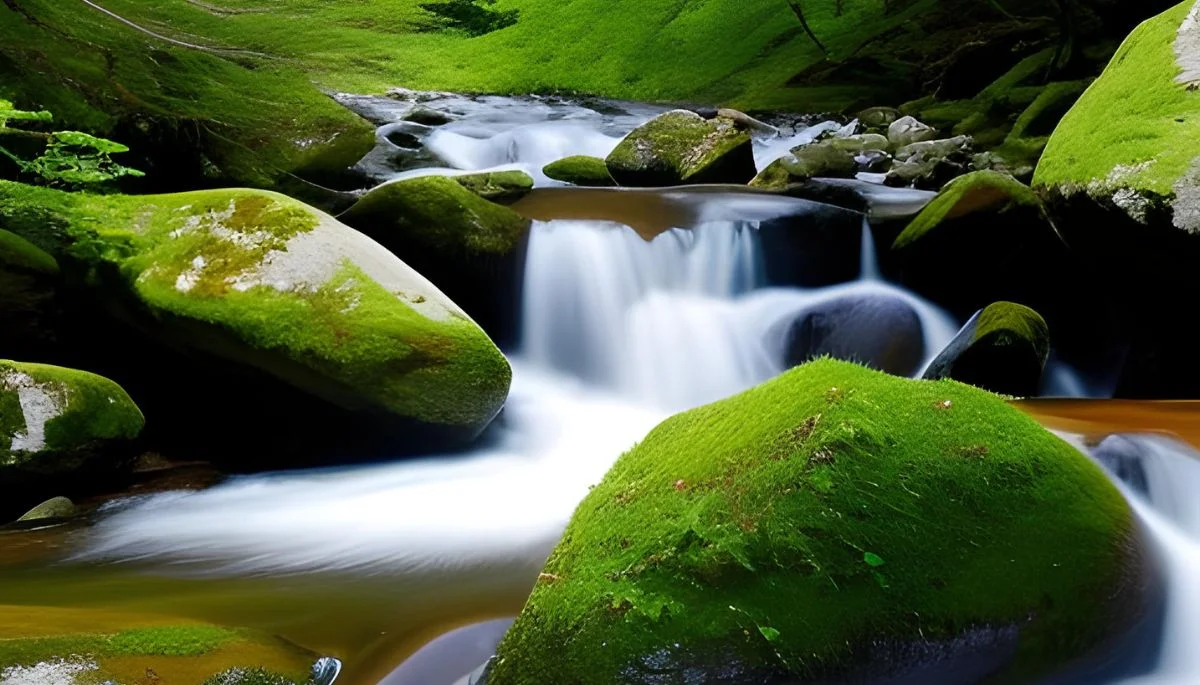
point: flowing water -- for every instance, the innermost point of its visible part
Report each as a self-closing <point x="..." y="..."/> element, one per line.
<point x="620" y="329"/>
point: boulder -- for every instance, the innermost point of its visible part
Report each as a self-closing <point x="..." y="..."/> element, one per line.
<point x="878" y="330"/>
<point x="62" y="425"/>
<point x="55" y="508"/>
<point x="907" y="130"/>
<point x="824" y="159"/>
<point x="878" y="118"/>
<point x="28" y="283"/>
<point x="985" y="237"/>
<point x="1003" y="348"/>
<point x="681" y="147"/>
<point x="300" y="312"/>
<point x="1120" y="174"/>
<point x="825" y="527"/>
<point x="580" y="170"/>
<point x="425" y="116"/>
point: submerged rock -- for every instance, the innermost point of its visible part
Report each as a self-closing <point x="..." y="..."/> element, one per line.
<point x="877" y="330"/>
<point x="62" y="425"/>
<point x="277" y="299"/>
<point x="825" y="527"/>
<point x="580" y="170"/>
<point x="1003" y="348"/>
<point x="682" y="147"/>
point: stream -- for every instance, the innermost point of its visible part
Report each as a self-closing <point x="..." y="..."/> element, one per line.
<point x="409" y="572"/>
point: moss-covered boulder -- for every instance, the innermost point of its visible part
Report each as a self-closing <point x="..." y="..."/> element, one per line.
<point x="1003" y="348"/>
<point x="682" y="147"/>
<point x="828" y="158"/>
<point x="580" y="170"/>
<point x="65" y="646"/>
<point x="54" y="508"/>
<point x="836" y="525"/>
<point x="1121" y="172"/>
<point x="504" y="187"/>
<point x="60" y="424"/>
<point x="984" y="238"/>
<point x="280" y="295"/>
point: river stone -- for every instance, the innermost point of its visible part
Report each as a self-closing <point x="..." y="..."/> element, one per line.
<point x="428" y="117"/>
<point x="881" y="331"/>
<point x="1003" y="348"/>
<point x="681" y="147"/>
<point x="56" y="508"/>
<point x="931" y="164"/>
<point x="907" y="130"/>
<point x="878" y="118"/>
<point x="580" y="170"/>
<point x="823" y="159"/>
<point x="822" y="528"/>
<point x="283" y="296"/>
<point x="746" y="121"/>
<point x="503" y="187"/>
<point x="59" y="424"/>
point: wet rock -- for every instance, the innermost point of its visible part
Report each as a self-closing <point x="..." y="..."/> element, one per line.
<point x="1003" y="348"/>
<point x="695" y="559"/>
<point x="748" y="122"/>
<point x="1124" y="458"/>
<point x="822" y="159"/>
<point x="580" y="170"/>
<point x="879" y="118"/>
<point x="930" y="164"/>
<point x="907" y="130"/>
<point x="681" y="147"/>
<point x="877" y="330"/>
<point x="427" y="116"/>
<point x="502" y="187"/>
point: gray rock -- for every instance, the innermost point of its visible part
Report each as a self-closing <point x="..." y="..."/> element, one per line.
<point x="879" y="330"/>
<point x="57" y="508"/>
<point x="427" y="116"/>
<point x="879" y="117"/>
<point x="1003" y="348"/>
<point x="907" y="130"/>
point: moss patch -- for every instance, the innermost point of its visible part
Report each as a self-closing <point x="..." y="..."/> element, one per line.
<point x="580" y="170"/>
<point x="831" y="508"/>
<point x="682" y="147"/>
<point x="18" y="253"/>
<point x="504" y="187"/>
<point x="980" y="191"/>
<point x="1135" y="127"/>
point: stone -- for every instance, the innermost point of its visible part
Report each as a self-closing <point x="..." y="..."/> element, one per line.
<point x="681" y="147"/>
<point x="1003" y="348"/>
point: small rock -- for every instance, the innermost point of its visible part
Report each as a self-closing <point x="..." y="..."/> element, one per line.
<point x="879" y="118"/>
<point x="427" y="116"/>
<point x="580" y="170"/>
<point x="880" y="331"/>
<point x="748" y="121"/>
<point x="57" y="508"/>
<point x="1003" y="348"/>
<point x="907" y="130"/>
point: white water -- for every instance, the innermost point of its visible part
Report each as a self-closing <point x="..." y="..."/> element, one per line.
<point x="618" y="333"/>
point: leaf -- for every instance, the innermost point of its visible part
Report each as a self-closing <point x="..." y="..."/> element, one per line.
<point x="77" y="139"/>
<point x="873" y="560"/>
<point x="770" y="633"/>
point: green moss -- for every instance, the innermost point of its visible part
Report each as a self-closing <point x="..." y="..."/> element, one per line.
<point x="828" y="159"/>
<point x="1031" y="71"/>
<point x="18" y="253"/>
<point x="436" y="213"/>
<point x="830" y="508"/>
<point x="91" y="410"/>
<point x="249" y="676"/>
<point x="1044" y="113"/>
<point x="1135" y="127"/>
<point x="504" y="187"/>
<point x="176" y="641"/>
<point x="580" y="170"/>
<point x="1008" y="321"/>
<point x="682" y="147"/>
<point x="979" y="191"/>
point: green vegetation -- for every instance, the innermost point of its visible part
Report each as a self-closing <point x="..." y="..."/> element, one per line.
<point x="436" y="213"/>
<point x="249" y="676"/>
<point x="833" y="507"/>
<point x="972" y="194"/>
<point x="1136" y="126"/>
<point x="504" y="187"/>
<point x="580" y="170"/>
<point x="81" y="413"/>
<point x="69" y="158"/>
<point x="18" y="253"/>
<point x="190" y="640"/>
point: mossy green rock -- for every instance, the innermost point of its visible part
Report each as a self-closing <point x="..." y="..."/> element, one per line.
<point x="261" y="281"/>
<point x="504" y="187"/>
<point x="822" y="526"/>
<point x="56" y="508"/>
<point x="1003" y="348"/>
<point x="57" y="422"/>
<point x="825" y="159"/>
<point x="580" y="170"/>
<point x="28" y="282"/>
<point x="976" y="193"/>
<point x="681" y="147"/>
<point x="436" y="213"/>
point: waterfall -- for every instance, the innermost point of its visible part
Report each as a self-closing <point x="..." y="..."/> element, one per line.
<point x="868" y="260"/>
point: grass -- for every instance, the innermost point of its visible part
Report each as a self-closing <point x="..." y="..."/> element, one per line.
<point x="1135" y="126"/>
<point x="833" y="507"/>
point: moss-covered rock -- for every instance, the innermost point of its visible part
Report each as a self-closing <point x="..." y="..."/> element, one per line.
<point x="835" y="525"/>
<point x="504" y="187"/>
<point x="55" y="508"/>
<point x="28" y="282"/>
<point x="930" y="164"/>
<point x="580" y="170"/>
<point x="1003" y="348"/>
<point x="264" y="283"/>
<point x="436" y="213"/>
<point x="829" y="158"/>
<point x="49" y="645"/>
<point x="58" y="423"/>
<point x="681" y="147"/>
<point x="975" y="193"/>
<point x="1121" y="172"/>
